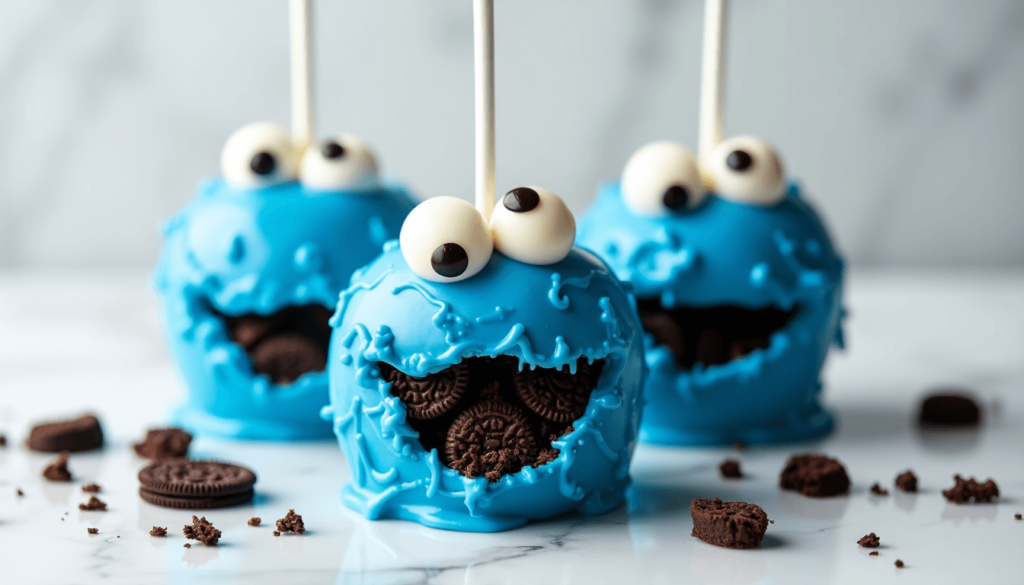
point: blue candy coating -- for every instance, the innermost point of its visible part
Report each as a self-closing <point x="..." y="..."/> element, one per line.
<point x="726" y="252"/>
<point x="547" y="316"/>
<point x="242" y="250"/>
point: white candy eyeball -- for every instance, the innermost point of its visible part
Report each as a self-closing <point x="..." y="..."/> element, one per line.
<point x="661" y="178"/>
<point x="747" y="169"/>
<point x="258" y="155"/>
<point x="445" y="239"/>
<point x="533" y="225"/>
<point x="344" y="162"/>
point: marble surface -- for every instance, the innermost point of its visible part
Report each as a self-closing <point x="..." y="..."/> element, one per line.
<point x="70" y="342"/>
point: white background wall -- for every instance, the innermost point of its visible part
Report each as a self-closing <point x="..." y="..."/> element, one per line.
<point x="903" y="118"/>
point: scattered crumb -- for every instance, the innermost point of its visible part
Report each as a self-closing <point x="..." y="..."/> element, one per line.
<point x="58" y="469"/>
<point x="1015" y="516"/>
<point x="187" y="545"/>
<point x="158" y="531"/>
<point x="119" y="536"/>
<point x="964" y="491"/>
<point x="21" y="493"/>
<point x="730" y="469"/>
<point x="873" y="553"/>
<point x="93" y="505"/>
<point x="870" y="541"/>
<point x="91" y="488"/>
<point x="879" y="490"/>
<point x="291" y="522"/>
<point x="202" y="530"/>
<point x="255" y="521"/>
<point x="907" y="482"/>
<point x="899" y="564"/>
<point x="93" y="530"/>
<point x="770" y="521"/>
<point x="276" y="533"/>
<point x="3" y="441"/>
<point x="61" y="518"/>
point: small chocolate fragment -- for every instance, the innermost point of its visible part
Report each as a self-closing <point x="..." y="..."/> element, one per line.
<point x="163" y="443"/>
<point x="899" y="564"/>
<point x="431" y="396"/>
<point x="287" y="356"/>
<point x="187" y="545"/>
<point x="58" y="469"/>
<point x="873" y="553"/>
<point x="491" y="439"/>
<point x="255" y="521"/>
<point x="3" y="441"/>
<point x="81" y="434"/>
<point x="949" y="409"/>
<point x="730" y="469"/>
<point x="558" y="395"/>
<point x="815" y="476"/>
<point x="92" y="530"/>
<point x="248" y="330"/>
<point x="907" y="482"/>
<point x="964" y="491"/>
<point x="21" y="493"/>
<point x="878" y="490"/>
<point x="1017" y="516"/>
<point x="201" y="530"/>
<point x="91" y="488"/>
<point x="158" y="531"/>
<point x="93" y="505"/>
<point x="291" y="522"/>
<point x="276" y="533"/>
<point x="545" y="456"/>
<point x="728" y="524"/>
<point x="870" y="541"/>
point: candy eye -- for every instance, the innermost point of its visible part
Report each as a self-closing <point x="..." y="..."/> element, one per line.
<point x="445" y="239"/>
<point x="747" y="169"/>
<point x="533" y="225"/>
<point x="258" y="155"/>
<point x="344" y="162"/>
<point x="661" y="178"/>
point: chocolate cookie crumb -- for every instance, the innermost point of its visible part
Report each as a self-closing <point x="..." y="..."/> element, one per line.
<point x="91" y="488"/>
<point x="81" y="434"/>
<point x="276" y="533"/>
<point x="58" y="470"/>
<point x="815" y="476"/>
<point x="1017" y="517"/>
<point x="907" y="482"/>
<point x="899" y="564"/>
<point x="870" y="541"/>
<point x="93" y="505"/>
<point x="949" y="409"/>
<point x="728" y="524"/>
<point x="163" y="443"/>
<point x="730" y="469"/>
<point x="545" y="456"/>
<point x="291" y="522"/>
<point x="879" y="490"/>
<point x="254" y="521"/>
<point x="21" y="493"/>
<point x="964" y="491"/>
<point x="158" y="531"/>
<point x="201" y="530"/>
<point x="3" y="441"/>
<point x="873" y="553"/>
<point x="92" y="530"/>
<point x="187" y="545"/>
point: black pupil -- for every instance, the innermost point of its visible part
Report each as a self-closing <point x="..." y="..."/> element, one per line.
<point x="263" y="163"/>
<point x="449" y="260"/>
<point x="521" y="200"/>
<point x="676" y="197"/>
<point x="739" y="160"/>
<point x="333" y="150"/>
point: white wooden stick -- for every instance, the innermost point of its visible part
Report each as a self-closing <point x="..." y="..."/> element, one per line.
<point x="712" y="82"/>
<point x="302" y="87"/>
<point x="483" y="57"/>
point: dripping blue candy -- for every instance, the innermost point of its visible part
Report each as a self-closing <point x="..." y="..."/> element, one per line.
<point x="730" y="253"/>
<point x="259" y="250"/>
<point x="546" y="316"/>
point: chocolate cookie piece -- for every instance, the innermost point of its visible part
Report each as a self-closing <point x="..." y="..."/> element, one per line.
<point x="57" y="470"/>
<point x="93" y="530"/>
<point x="1018" y="517"/>
<point x="201" y="530"/>
<point x="966" y="490"/>
<point x="254" y="521"/>
<point x="185" y="484"/>
<point x="3" y="440"/>
<point x="870" y="541"/>
<point x="899" y="564"/>
<point x="80" y="434"/>
<point x="91" y="488"/>
<point x="163" y="443"/>
<point x="491" y="439"/>
<point x="291" y="522"/>
<point x="431" y="396"/>
<point x="248" y="330"/>
<point x="287" y="356"/>
<point x="815" y="476"/>
<point x="878" y="490"/>
<point x="558" y="395"/>
<point x="158" y="531"/>
<point x="93" y="505"/>
<point x="728" y="524"/>
<point x="730" y="469"/>
<point x="949" y="409"/>
<point x="907" y="482"/>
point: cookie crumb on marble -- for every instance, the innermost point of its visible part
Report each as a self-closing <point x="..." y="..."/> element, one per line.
<point x="255" y="521"/>
<point x="907" y="482"/>
<point x="967" y="490"/>
<point x="730" y="469"/>
<point x="202" y="530"/>
<point x="899" y="564"/>
<point x="93" y="505"/>
<point x="91" y="488"/>
<point x="878" y="490"/>
<point x="291" y="522"/>
<point x="58" y="469"/>
<point x="92" y="530"/>
<point x="873" y="553"/>
<point x="870" y="541"/>
<point x="815" y="476"/>
<point x="158" y="531"/>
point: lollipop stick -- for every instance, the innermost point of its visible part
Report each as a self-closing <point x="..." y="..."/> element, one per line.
<point x="302" y="90"/>
<point x="712" y="76"/>
<point x="483" y="57"/>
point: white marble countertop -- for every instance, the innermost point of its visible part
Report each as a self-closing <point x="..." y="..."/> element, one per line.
<point x="73" y="342"/>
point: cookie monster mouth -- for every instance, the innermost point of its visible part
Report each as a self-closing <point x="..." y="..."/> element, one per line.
<point x="714" y="335"/>
<point x="487" y="417"/>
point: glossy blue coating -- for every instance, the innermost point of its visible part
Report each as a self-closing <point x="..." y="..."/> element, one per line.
<point x="243" y="251"/>
<point x="730" y="253"/>
<point x="546" y="316"/>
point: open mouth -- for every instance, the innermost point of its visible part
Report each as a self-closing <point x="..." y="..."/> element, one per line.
<point x="711" y="336"/>
<point x="286" y="344"/>
<point x="487" y="418"/>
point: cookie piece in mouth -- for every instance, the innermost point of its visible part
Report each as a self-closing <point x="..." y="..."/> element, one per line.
<point x="285" y="344"/>
<point x="711" y="336"/>
<point x="486" y="418"/>
<point x="815" y="476"/>
<point x="728" y="524"/>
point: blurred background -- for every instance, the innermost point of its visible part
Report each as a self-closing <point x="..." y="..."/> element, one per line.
<point x="903" y="120"/>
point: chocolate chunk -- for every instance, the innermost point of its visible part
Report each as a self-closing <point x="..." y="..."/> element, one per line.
<point x="558" y="395"/>
<point x="185" y="484"/>
<point x="949" y="409"/>
<point x="248" y="330"/>
<point x="276" y="533"/>
<point x="3" y="441"/>
<point x="291" y="522"/>
<point x="728" y="524"/>
<point x="81" y="434"/>
<point x="92" y="530"/>
<point x="899" y="564"/>
<point x="254" y="521"/>
<point x="906" y="482"/>
<point x="430" y="396"/>
<point x="91" y="488"/>
<point x="58" y="469"/>
<point x="964" y="491"/>
<point x="1017" y="517"/>
<point x="164" y="443"/>
<point x="814" y="476"/>
<point x="187" y="545"/>
<point x="491" y="439"/>
<point x="21" y="493"/>
<point x="870" y="541"/>
<point x="873" y="553"/>
<point x="711" y="348"/>
<point x="730" y="469"/>
<point x="287" y="356"/>
<point x="879" y="490"/>
<point x="93" y="505"/>
<point x="158" y="531"/>
<point x="202" y="531"/>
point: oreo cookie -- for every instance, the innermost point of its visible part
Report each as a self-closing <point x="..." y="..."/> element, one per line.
<point x="195" y="485"/>
<point x="431" y="396"/>
<point x="287" y="356"/>
<point x="490" y="439"/>
<point x="80" y="434"/>
<point x="558" y="395"/>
